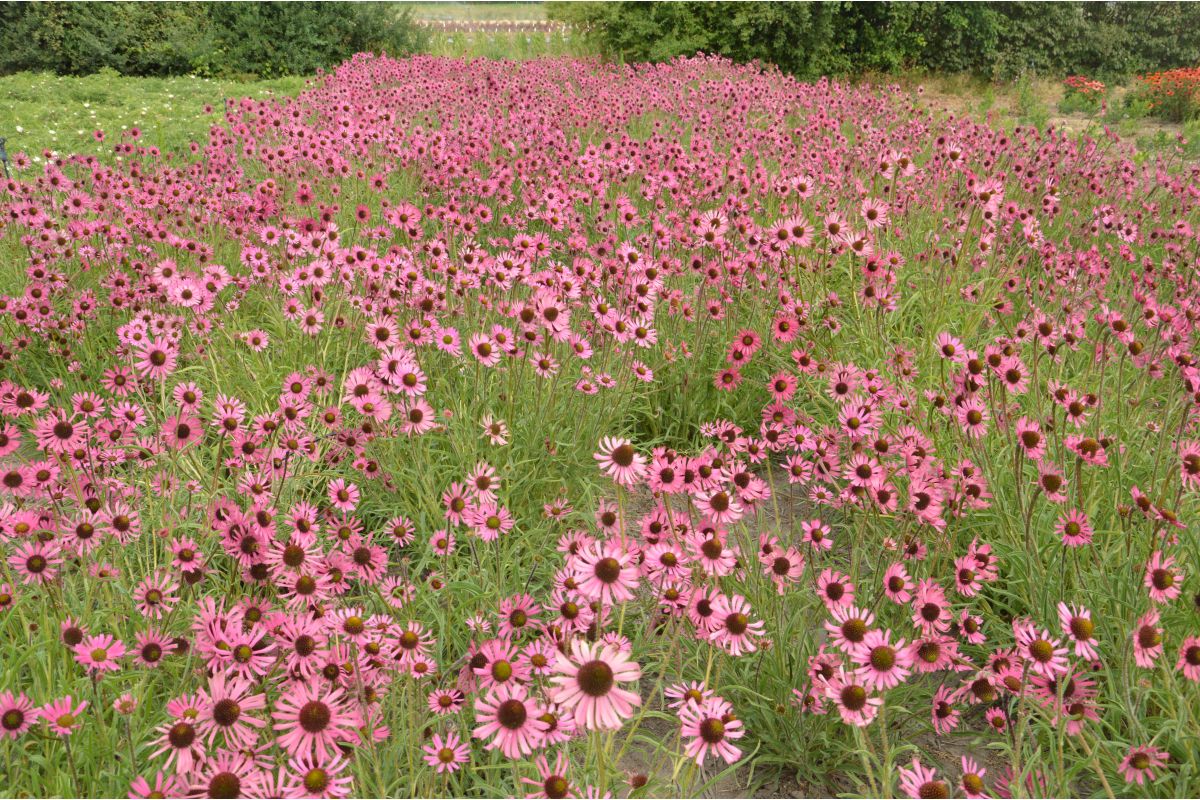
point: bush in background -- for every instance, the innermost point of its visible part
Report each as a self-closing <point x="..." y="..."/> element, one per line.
<point x="995" y="40"/>
<point x="1173" y="94"/>
<point x="267" y="39"/>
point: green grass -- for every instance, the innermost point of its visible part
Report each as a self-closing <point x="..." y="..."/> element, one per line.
<point x="517" y="45"/>
<point x="478" y="12"/>
<point x="44" y="112"/>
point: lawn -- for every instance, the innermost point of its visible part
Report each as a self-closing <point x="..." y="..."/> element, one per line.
<point x="63" y="114"/>
<point x="546" y="428"/>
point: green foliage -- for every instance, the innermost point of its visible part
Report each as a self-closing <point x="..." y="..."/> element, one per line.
<point x="268" y="39"/>
<point x="996" y="40"/>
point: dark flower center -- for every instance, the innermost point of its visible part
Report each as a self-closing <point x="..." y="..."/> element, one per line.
<point x="623" y="455"/>
<point x="512" y="714"/>
<point x="315" y="716"/>
<point x="225" y="785"/>
<point x="608" y="570"/>
<point x="883" y="658"/>
<point x="854" y="630"/>
<point x="1041" y="650"/>
<point x="226" y="712"/>
<point x="712" y="730"/>
<point x="181" y="735"/>
<point x="316" y="780"/>
<point x="1162" y="579"/>
<point x="556" y="787"/>
<point x="933" y="789"/>
<point x="1148" y="636"/>
<point x="595" y="678"/>
<point x="854" y="698"/>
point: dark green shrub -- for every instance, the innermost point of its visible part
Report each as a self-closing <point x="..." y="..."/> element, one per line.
<point x="996" y="40"/>
<point x="215" y="39"/>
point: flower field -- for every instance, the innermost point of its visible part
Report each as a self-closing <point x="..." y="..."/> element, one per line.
<point x="558" y="429"/>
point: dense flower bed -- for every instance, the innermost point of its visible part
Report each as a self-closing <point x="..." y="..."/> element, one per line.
<point x="563" y="429"/>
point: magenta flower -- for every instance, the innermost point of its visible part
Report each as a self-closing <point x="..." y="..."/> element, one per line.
<point x="589" y="685"/>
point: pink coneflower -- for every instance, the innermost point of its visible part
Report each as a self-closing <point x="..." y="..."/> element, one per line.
<point x="852" y="698"/>
<point x="835" y="589"/>
<point x="1074" y="528"/>
<point x="1051" y="482"/>
<point x="511" y="719"/>
<point x="229" y="700"/>
<point x="541" y="656"/>
<point x="257" y="340"/>
<point x="489" y="520"/>
<point x="1031" y="439"/>
<point x="446" y="754"/>
<point x="181" y="431"/>
<point x="229" y="774"/>
<point x="516" y="614"/>
<point x="57" y="432"/>
<point x="155" y="596"/>
<point x="711" y="552"/>
<point x="551" y="783"/>
<point x="1147" y="640"/>
<point x="784" y="567"/>
<point x="732" y="628"/>
<point x="931" y="611"/>
<point x="180" y="739"/>
<point x="897" y="586"/>
<point x="710" y="724"/>
<point x="155" y="359"/>
<point x="445" y="701"/>
<point x="499" y="664"/>
<point x="605" y="572"/>
<point x="125" y="705"/>
<point x="100" y="654"/>
<point x="36" y="561"/>
<point x="618" y="460"/>
<point x="312" y="719"/>
<point x="943" y="713"/>
<point x="311" y="777"/>
<point x="1189" y="659"/>
<point x="495" y="430"/>
<point x="918" y="781"/>
<point x="1079" y="629"/>
<point x="164" y="786"/>
<point x="681" y="694"/>
<point x="718" y="506"/>
<point x="1162" y="578"/>
<point x="63" y="717"/>
<point x="950" y="347"/>
<point x="971" y="782"/>
<point x="486" y="351"/>
<point x="456" y="503"/>
<point x="589" y="685"/>
<point x="16" y="714"/>
<point x="972" y="417"/>
<point x="343" y="495"/>
<point x="849" y="627"/>
<point x="882" y="665"/>
<point x="997" y="720"/>
<point x="1092" y="451"/>
<point x="1140" y="762"/>
<point x="1044" y="654"/>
